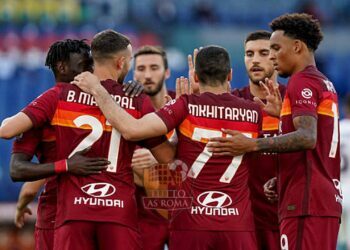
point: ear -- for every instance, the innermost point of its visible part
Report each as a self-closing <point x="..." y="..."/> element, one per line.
<point x="61" y="67"/>
<point x="167" y="74"/>
<point x="229" y="76"/>
<point x="196" y="77"/>
<point x="298" y="46"/>
<point x="120" y="62"/>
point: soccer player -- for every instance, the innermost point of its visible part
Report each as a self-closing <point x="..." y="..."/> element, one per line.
<point x="309" y="164"/>
<point x="97" y="211"/>
<point x="65" y="58"/>
<point x="220" y="215"/>
<point x="262" y="166"/>
<point x="151" y="70"/>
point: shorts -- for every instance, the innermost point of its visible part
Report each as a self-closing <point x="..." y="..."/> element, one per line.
<point x="86" y="235"/>
<point x="154" y="236"/>
<point x="203" y="240"/>
<point x="43" y="238"/>
<point x="309" y="233"/>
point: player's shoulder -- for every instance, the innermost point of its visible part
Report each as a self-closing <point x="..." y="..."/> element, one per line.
<point x="243" y="92"/>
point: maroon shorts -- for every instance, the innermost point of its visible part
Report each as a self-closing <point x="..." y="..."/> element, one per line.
<point x="86" y="235"/>
<point x="268" y="239"/>
<point x="154" y="236"/>
<point x="43" y="238"/>
<point x="308" y="233"/>
<point x="203" y="240"/>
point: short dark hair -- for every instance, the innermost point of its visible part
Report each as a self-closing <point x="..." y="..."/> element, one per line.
<point x="152" y="50"/>
<point x="212" y="65"/>
<point x="60" y="52"/>
<point x="106" y="43"/>
<point x="258" y="35"/>
<point x="300" y="26"/>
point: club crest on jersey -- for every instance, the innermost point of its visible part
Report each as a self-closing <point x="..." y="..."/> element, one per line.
<point x="99" y="190"/>
<point x="214" y="199"/>
<point x="306" y="93"/>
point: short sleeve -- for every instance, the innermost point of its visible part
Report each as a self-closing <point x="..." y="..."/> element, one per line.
<point x="43" y="108"/>
<point x="27" y="142"/>
<point x="304" y="94"/>
<point x="174" y="112"/>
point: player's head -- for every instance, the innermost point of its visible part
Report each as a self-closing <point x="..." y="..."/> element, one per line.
<point x="112" y="49"/>
<point x="257" y="56"/>
<point x="295" y="37"/>
<point x="68" y="58"/>
<point x="213" y="66"/>
<point x="151" y="68"/>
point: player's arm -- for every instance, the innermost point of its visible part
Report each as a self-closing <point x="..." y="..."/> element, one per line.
<point x="304" y="137"/>
<point x="130" y="128"/>
<point x="22" y="169"/>
<point x="27" y="194"/>
<point x="15" y="125"/>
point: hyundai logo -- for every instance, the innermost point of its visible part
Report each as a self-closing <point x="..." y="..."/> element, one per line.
<point x="214" y="199"/>
<point x="99" y="190"/>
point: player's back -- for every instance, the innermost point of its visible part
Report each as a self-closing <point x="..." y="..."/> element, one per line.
<point x="217" y="184"/>
<point x="309" y="179"/>
<point x="80" y="124"/>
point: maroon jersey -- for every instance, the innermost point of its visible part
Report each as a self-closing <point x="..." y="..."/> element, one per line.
<point x="42" y="143"/>
<point x="262" y="167"/>
<point x="79" y="123"/>
<point x="309" y="179"/>
<point x="217" y="185"/>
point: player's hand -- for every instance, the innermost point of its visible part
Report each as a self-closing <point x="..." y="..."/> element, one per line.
<point x="273" y="98"/>
<point x="191" y="63"/>
<point x="20" y="216"/>
<point x="132" y="88"/>
<point x="79" y="164"/>
<point x="270" y="190"/>
<point x="87" y="81"/>
<point x="143" y="158"/>
<point x="182" y="87"/>
<point x="238" y="144"/>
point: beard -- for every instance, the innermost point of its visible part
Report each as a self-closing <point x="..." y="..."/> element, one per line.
<point x="256" y="81"/>
<point x="158" y="87"/>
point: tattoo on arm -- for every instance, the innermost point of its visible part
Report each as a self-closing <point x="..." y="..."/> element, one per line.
<point x="303" y="138"/>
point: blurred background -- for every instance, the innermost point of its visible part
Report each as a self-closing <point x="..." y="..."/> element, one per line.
<point x="28" y="27"/>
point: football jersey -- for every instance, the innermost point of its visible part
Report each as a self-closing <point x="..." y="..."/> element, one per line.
<point x="217" y="185"/>
<point x="79" y="124"/>
<point x="262" y="167"/>
<point x="42" y="143"/>
<point x="308" y="180"/>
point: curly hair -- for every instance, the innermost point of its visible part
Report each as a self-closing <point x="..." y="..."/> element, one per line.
<point x="61" y="50"/>
<point x="299" y="26"/>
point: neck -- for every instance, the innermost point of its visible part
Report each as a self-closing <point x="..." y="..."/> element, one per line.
<point x="158" y="100"/>
<point x="303" y="62"/>
<point x="259" y="91"/>
<point x="104" y="72"/>
<point x="220" y="89"/>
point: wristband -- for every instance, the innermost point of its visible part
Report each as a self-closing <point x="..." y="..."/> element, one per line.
<point x="61" y="166"/>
